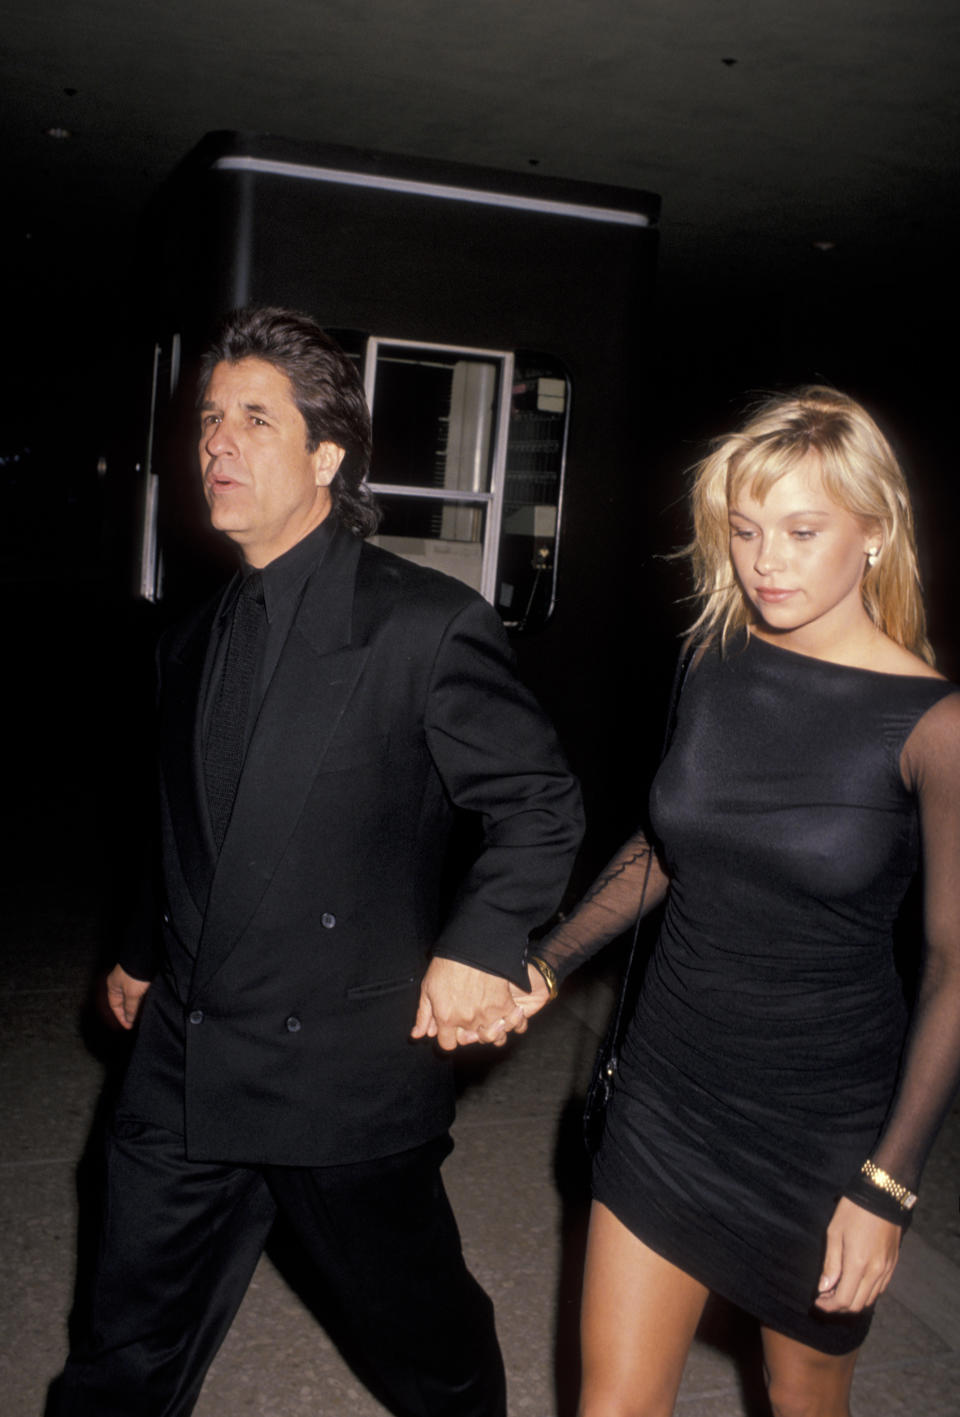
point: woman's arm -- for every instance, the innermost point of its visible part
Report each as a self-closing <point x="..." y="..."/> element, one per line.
<point x="865" y="1232"/>
<point x="930" y="1072"/>
<point x="630" y="885"/>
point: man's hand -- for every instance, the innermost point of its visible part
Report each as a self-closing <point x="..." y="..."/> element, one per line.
<point x="460" y="1004"/>
<point x="125" y="995"/>
<point x="862" y="1252"/>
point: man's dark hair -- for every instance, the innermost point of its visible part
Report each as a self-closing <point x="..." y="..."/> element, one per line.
<point x="326" y="389"/>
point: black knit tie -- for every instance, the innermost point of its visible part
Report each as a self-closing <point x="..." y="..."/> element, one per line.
<point x="226" y="739"/>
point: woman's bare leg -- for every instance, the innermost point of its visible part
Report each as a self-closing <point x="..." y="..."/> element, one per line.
<point x="639" y="1317"/>
<point x="804" y="1383"/>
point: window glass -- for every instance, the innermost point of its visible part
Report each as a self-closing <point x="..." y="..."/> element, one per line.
<point x="434" y="415"/>
<point x="448" y="536"/>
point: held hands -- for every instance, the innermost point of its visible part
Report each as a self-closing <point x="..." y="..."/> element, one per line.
<point x="531" y="1003"/>
<point x="861" y="1255"/>
<point x="125" y="995"/>
<point x="460" y="1004"/>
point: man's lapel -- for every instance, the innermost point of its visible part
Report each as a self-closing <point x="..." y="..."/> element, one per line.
<point x="304" y="703"/>
<point x="181" y="755"/>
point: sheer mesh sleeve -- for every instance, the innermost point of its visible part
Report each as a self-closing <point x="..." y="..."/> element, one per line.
<point x="930" y="1072"/>
<point x="610" y="906"/>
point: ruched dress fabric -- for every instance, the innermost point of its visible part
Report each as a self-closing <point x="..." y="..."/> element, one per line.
<point x="766" y="1059"/>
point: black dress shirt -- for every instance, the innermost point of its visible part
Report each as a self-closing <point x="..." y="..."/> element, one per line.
<point x="283" y="583"/>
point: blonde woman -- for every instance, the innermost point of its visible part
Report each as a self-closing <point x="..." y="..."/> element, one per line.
<point x="774" y="1105"/>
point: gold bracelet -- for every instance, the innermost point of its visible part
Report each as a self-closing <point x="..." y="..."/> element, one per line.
<point x="546" y="973"/>
<point x="883" y="1181"/>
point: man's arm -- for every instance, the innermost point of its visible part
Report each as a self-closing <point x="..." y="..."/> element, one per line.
<point x="498" y="757"/>
<point x="139" y="950"/>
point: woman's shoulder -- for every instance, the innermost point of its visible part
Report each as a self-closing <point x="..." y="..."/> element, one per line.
<point x="931" y="752"/>
<point x="888" y="657"/>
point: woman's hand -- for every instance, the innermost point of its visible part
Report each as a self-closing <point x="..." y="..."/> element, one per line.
<point x="861" y="1255"/>
<point x="532" y="1003"/>
<point x="459" y="1032"/>
<point x="460" y="1004"/>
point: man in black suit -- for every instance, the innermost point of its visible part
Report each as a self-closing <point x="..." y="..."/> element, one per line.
<point x="322" y="724"/>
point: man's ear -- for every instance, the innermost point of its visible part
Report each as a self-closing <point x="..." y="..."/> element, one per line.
<point x="327" y="458"/>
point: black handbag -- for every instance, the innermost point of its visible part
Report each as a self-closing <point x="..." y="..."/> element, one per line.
<point x="604" y="1076"/>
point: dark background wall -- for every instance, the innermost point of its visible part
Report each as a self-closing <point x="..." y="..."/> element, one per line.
<point x="806" y="159"/>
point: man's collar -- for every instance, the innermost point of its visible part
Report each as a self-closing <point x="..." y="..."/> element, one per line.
<point x="284" y="576"/>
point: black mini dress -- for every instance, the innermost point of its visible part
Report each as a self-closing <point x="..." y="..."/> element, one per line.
<point x="766" y="1058"/>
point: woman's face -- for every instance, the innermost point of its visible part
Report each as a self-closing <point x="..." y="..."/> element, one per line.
<point x="800" y="558"/>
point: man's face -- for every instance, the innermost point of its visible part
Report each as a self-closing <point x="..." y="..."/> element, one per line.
<point x="263" y="488"/>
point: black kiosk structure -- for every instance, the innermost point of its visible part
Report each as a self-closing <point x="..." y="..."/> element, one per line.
<point x="501" y="322"/>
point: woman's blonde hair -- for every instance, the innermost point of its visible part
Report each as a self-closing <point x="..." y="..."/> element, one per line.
<point x="860" y="473"/>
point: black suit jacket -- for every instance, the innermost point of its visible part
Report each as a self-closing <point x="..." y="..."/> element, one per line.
<point x="277" y="1030"/>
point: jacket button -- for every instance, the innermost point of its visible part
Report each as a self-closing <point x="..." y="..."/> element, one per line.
<point x="293" y="1024"/>
<point x="197" y="1016"/>
<point x="166" y="917"/>
<point x="327" y="920"/>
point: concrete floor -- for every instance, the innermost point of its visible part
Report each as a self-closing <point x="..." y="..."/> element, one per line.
<point x="516" y="1133"/>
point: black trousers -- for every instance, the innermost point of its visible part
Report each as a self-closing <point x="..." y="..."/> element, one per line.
<point x="179" y="1244"/>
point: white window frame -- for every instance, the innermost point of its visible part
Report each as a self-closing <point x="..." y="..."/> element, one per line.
<point x="492" y="500"/>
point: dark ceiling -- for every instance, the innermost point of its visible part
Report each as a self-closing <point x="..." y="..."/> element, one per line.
<point x="766" y="127"/>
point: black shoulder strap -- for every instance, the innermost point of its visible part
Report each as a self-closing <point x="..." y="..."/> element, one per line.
<point x="679" y="676"/>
